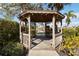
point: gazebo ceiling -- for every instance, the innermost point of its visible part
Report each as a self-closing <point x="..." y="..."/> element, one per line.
<point x="41" y="16"/>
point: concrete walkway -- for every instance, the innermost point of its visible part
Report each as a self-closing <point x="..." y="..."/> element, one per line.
<point x="43" y="49"/>
<point x="43" y="53"/>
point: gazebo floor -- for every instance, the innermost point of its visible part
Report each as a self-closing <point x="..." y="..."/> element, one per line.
<point x="44" y="48"/>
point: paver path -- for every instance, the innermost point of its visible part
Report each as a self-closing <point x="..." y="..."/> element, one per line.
<point x="43" y="49"/>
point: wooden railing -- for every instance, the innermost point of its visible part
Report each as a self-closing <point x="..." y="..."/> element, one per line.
<point x="58" y="39"/>
<point x="25" y="39"/>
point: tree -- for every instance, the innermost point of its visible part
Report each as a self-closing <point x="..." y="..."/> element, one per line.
<point x="10" y="10"/>
<point x="9" y="30"/>
<point x="69" y="15"/>
<point x="30" y="6"/>
<point x="57" y="6"/>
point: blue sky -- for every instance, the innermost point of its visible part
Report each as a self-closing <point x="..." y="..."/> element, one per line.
<point x="75" y="8"/>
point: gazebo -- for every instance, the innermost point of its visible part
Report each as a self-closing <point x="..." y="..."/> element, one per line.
<point x="29" y="16"/>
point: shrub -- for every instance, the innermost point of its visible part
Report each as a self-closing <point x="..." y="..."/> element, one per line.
<point x="9" y="29"/>
<point x="70" y="43"/>
<point x="9" y="39"/>
<point x="77" y="31"/>
<point x="12" y="49"/>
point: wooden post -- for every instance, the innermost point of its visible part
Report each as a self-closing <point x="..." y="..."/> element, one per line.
<point x="53" y="32"/>
<point x="20" y="34"/>
<point x="61" y="26"/>
<point x="29" y="32"/>
<point x="35" y="28"/>
<point x="45" y="29"/>
<point x="61" y="35"/>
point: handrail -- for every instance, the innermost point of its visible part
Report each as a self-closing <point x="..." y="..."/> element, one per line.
<point x="58" y="34"/>
<point x="25" y="34"/>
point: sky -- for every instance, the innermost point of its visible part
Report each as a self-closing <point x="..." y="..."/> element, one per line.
<point x="74" y="7"/>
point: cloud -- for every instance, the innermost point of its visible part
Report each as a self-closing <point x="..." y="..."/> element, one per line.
<point x="77" y="13"/>
<point x="74" y="21"/>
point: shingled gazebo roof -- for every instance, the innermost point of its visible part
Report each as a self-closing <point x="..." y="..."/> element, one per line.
<point x="41" y="16"/>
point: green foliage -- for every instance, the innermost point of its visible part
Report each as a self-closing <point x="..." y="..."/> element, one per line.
<point x="9" y="39"/>
<point x="12" y="49"/>
<point x="9" y="29"/>
<point x="58" y="6"/>
<point x="70" y="45"/>
<point x="10" y="10"/>
<point x="69" y="15"/>
<point x="70" y="40"/>
<point x="77" y="31"/>
<point x="33" y="31"/>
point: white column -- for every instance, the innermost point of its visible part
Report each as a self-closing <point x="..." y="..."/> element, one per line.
<point x="20" y="34"/>
<point x="53" y="32"/>
<point x="29" y="31"/>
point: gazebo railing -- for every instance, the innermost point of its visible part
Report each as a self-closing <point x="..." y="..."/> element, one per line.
<point x="25" y="39"/>
<point x="58" y="39"/>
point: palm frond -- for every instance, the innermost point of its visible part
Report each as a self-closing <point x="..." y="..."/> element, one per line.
<point x="74" y="16"/>
<point x="70" y="14"/>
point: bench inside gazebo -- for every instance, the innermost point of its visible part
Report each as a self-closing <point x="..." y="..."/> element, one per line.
<point x="33" y="16"/>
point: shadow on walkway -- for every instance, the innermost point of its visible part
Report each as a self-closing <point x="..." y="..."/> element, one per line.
<point x="38" y="39"/>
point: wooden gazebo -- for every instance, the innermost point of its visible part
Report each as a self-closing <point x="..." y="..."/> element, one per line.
<point x="39" y="16"/>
